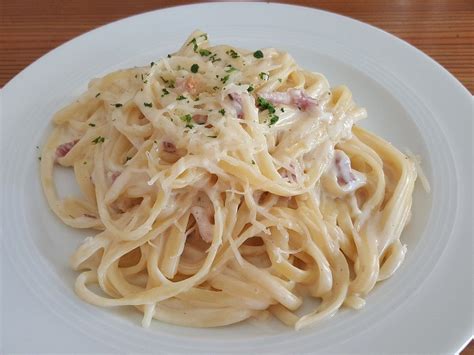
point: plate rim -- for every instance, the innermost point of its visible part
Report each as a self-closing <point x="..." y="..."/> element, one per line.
<point x="65" y="45"/>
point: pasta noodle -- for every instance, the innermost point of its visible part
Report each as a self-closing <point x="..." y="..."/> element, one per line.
<point x="225" y="184"/>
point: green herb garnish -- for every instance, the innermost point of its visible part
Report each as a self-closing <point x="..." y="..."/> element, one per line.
<point x="264" y="76"/>
<point x="265" y="105"/>
<point x="213" y="58"/>
<point x="222" y="111"/>
<point x="181" y="97"/>
<point x="117" y="105"/>
<point x="204" y="52"/>
<point x="194" y="68"/>
<point x="224" y="79"/>
<point x="273" y="119"/>
<point x="250" y="88"/>
<point x="148" y="104"/>
<point x="164" y="92"/>
<point x="232" y="53"/>
<point x="99" y="139"/>
<point x="187" y="118"/>
<point x="92" y="124"/>
<point x="230" y="69"/>
<point x="258" y="54"/>
<point x="98" y="94"/>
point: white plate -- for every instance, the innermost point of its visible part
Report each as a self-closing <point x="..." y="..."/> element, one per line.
<point x="411" y="100"/>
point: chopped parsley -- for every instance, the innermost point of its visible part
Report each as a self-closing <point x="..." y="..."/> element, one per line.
<point x="280" y="80"/>
<point x="117" y="105"/>
<point x="250" y="88"/>
<point x="169" y="55"/>
<point x="258" y="54"/>
<point x="273" y="119"/>
<point x="194" y="68"/>
<point x="92" y="124"/>
<point x="164" y="80"/>
<point x="148" y="104"/>
<point x="39" y="158"/>
<point x="215" y="88"/>
<point x="99" y="139"/>
<point x="265" y="105"/>
<point x="253" y="162"/>
<point x="164" y="92"/>
<point x="127" y="159"/>
<point x="282" y="109"/>
<point x="224" y="79"/>
<point x="84" y="162"/>
<point x="232" y="53"/>
<point x="222" y="111"/>
<point x="181" y="97"/>
<point x="204" y="52"/>
<point x="208" y="136"/>
<point x="194" y="42"/>
<point x="264" y="76"/>
<point x="213" y="58"/>
<point x="171" y="85"/>
<point x="187" y="119"/>
<point x="98" y="94"/>
<point x="230" y="69"/>
<point x="152" y="64"/>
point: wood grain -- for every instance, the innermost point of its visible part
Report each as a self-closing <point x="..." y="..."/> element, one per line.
<point x="443" y="29"/>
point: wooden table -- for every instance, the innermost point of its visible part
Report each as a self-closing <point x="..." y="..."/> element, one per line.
<point x="443" y="29"/>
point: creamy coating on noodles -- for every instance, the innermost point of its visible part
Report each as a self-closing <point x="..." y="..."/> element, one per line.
<point x="224" y="184"/>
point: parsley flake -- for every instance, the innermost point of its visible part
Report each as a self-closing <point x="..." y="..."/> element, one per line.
<point x="99" y="139"/>
<point x="273" y="119"/>
<point x="181" y="97"/>
<point x="92" y="124"/>
<point x="265" y="105"/>
<point x="204" y="52"/>
<point x="232" y="53"/>
<point x="117" y="105"/>
<point x="264" y="76"/>
<point x="148" y="104"/>
<point x="250" y="88"/>
<point x="213" y="58"/>
<point x="194" y="68"/>
<point x="222" y="111"/>
<point x="224" y="79"/>
<point x="187" y="118"/>
<point x="230" y="69"/>
<point x="258" y="54"/>
<point x="98" y="94"/>
<point x="164" y="92"/>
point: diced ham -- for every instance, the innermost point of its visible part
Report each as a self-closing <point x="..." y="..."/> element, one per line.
<point x="189" y="84"/>
<point x="64" y="148"/>
<point x="296" y="97"/>
<point x="200" y="119"/>
<point x="203" y="221"/>
<point x="169" y="147"/>
<point x="236" y="101"/>
<point x="288" y="173"/>
<point x="114" y="175"/>
<point x="343" y="168"/>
